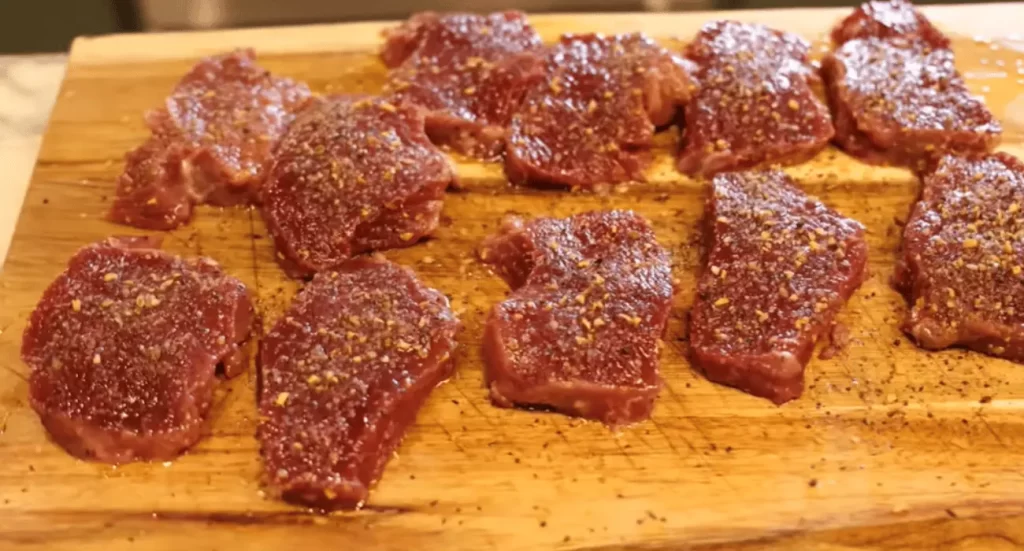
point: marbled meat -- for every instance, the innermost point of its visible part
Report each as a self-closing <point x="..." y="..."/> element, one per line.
<point x="962" y="266"/>
<point x="897" y="101"/>
<point x="468" y="72"/>
<point x="124" y="348"/>
<point x="756" y="102"/>
<point x="345" y="371"/>
<point x="780" y="266"/>
<point x="580" y="331"/>
<point x="591" y="121"/>
<point x="352" y="175"/>
<point x="888" y="19"/>
<point x="211" y="142"/>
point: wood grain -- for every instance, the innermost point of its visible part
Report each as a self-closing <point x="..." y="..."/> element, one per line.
<point x="890" y="447"/>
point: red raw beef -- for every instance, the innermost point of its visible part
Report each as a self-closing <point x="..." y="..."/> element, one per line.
<point x="580" y="332"/>
<point x="888" y="19"/>
<point x="352" y="175"/>
<point x="780" y="266"/>
<point x="592" y="121"/>
<point x="211" y="142"/>
<point x="468" y="72"/>
<point x="124" y="346"/>
<point x="962" y="264"/>
<point x="902" y="102"/>
<point x="755" y="104"/>
<point x="344" y="372"/>
<point x="732" y="42"/>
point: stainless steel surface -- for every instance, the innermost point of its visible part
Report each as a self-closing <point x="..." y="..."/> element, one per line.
<point x="207" y="14"/>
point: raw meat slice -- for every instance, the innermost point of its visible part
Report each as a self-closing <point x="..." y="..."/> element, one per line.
<point x="888" y="19"/>
<point x="352" y="175"/>
<point x="211" y="142"/>
<point x="962" y="263"/>
<point x="593" y="119"/>
<point x="469" y="72"/>
<point x="755" y="104"/>
<point x="901" y="102"/>
<point x="429" y="34"/>
<point x="780" y="266"/>
<point x="725" y="42"/>
<point x="124" y="346"/>
<point x="344" y="372"/>
<point x="152" y="192"/>
<point x="580" y="332"/>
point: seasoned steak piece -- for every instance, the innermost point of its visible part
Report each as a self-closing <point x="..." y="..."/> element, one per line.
<point x="344" y="372"/>
<point x="755" y="105"/>
<point x="124" y="346"/>
<point x="153" y="191"/>
<point x="962" y="266"/>
<point x="901" y="102"/>
<point x="490" y="37"/>
<point x="579" y="333"/>
<point x="593" y="119"/>
<point x="211" y="142"/>
<point x="888" y="19"/>
<point x="730" y="42"/>
<point x="352" y="175"/>
<point x="780" y="266"/>
<point x="468" y="72"/>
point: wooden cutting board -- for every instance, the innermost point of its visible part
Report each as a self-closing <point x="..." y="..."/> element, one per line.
<point x="890" y="447"/>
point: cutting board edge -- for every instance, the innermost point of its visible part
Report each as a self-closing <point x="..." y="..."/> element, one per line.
<point x="125" y="47"/>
